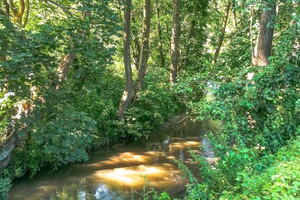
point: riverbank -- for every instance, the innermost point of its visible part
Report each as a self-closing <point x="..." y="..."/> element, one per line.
<point x="112" y="173"/>
<point x="88" y="122"/>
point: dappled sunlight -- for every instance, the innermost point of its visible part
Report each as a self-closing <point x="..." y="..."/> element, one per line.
<point x="129" y="170"/>
<point x="185" y="144"/>
<point x="134" y="177"/>
<point x="153" y="153"/>
<point x="148" y="157"/>
<point x="47" y="187"/>
<point x="171" y="157"/>
<point x="124" y="168"/>
<point x="127" y="157"/>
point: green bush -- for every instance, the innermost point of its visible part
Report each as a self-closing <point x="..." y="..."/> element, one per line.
<point x="281" y="180"/>
<point x="63" y="138"/>
<point x="5" y="184"/>
<point x="156" y="103"/>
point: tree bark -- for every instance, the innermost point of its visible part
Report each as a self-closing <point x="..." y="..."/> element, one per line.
<point x="64" y="67"/>
<point x="136" y="51"/>
<point x="263" y="47"/>
<point x="18" y="14"/>
<point x="66" y="63"/>
<point x="160" y="45"/>
<point x="136" y="48"/>
<point x="234" y="13"/>
<point x="26" y="13"/>
<point x="174" y="42"/>
<point x="144" y="50"/>
<point x="221" y="38"/>
<point x="296" y="46"/>
<point x="188" y="48"/>
<point x="185" y="61"/>
<point x="251" y="31"/>
<point x="125" y="99"/>
<point x="145" y="45"/>
<point x="14" y="135"/>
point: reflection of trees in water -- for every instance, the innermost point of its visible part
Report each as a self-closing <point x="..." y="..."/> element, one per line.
<point x="82" y="190"/>
<point x="181" y="156"/>
<point x="121" y="172"/>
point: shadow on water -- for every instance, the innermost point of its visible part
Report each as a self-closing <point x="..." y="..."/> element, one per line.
<point x="114" y="173"/>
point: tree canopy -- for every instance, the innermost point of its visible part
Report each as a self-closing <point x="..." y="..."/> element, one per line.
<point x="77" y="75"/>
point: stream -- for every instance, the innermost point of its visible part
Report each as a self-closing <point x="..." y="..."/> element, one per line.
<point x="121" y="171"/>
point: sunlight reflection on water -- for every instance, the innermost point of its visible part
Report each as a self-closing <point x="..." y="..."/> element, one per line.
<point x="113" y="173"/>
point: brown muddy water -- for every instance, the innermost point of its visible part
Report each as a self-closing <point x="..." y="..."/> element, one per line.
<point x="116" y="172"/>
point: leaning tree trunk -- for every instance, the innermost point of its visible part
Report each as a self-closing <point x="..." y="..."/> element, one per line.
<point x="160" y="46"/>
<point x="125" y="99"/>
<point x="67" y="61"/>
<point x="221" y="38"/>
<point x="144" y="50"/>
<point x="174" y="42"/>
<point x="263" y="48"/>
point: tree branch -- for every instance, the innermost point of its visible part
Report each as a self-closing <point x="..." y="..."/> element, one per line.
<point x="66" y="10"/>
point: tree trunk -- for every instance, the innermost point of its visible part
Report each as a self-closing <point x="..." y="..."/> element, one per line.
<point x="263" y="47"/>
<point x="14" y="135"/>
<point x="296" y="46"/>
<point x="26" y="13"/>
<point x="234" y="13"/>
<point x="144" y="50"/>
<point x="251" y="31"/>
<point x="125" y="99"/>
<point x="174" y="42"/>
<point x="136" y="49"/>
<point x="160" y="45"/>
<point x="188" y="46"/>
<point x="18" y="13"/>
<point x="185" y="61"/>
<point x="145" y="45"/>
<point x="221" y="38"/>
<point x="64" y="66"/>
<point x="66" y="63"/>
<point x="3" y="52"/>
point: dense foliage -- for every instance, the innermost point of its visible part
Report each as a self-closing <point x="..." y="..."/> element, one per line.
<point x="62" y="79"/>
<point x="67" y="122"/>
<point x="260" y="113"/>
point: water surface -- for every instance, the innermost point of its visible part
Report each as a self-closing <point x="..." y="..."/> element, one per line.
<point x="115" y="172"/>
